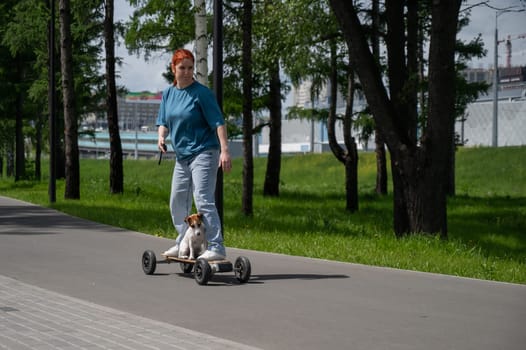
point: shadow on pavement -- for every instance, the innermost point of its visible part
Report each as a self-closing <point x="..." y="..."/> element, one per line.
<point x="19" y="232"/>
<point x="300" y="276"/>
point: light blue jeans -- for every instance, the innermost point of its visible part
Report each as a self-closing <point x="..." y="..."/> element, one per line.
<point x="196" y="178"/>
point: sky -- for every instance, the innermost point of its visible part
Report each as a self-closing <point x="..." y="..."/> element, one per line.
<point x="138" y="75"/>
<point x="508" y="23"/>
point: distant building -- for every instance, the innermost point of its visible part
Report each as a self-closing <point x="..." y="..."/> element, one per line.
<point x="477" y="75"/>
<point x="508" y="76"/>
<point x="138" y="110"/>
<point x="304" y="136"/>
<point x="137" y="113"/>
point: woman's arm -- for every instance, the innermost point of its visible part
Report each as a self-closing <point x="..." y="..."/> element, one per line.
<point x="224" y="159"/>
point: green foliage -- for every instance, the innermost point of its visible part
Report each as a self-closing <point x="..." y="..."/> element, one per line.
<point x="466" y="51"/>
<point x="487" y="219"/>
<point x="305" y="48"/>
<point x="26" y="30"/>
<point x="159" y="26"/>
<point x="301" y="113"/>
<point x="364" y="125"/>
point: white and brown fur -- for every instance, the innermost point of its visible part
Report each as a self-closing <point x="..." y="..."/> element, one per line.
<point x="194" y="241"/>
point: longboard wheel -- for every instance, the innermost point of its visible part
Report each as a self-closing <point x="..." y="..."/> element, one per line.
<point x="202" y="272"/>
<point x="186" y="267"/>
<point x="242" y="269"/>
<point x="149" y="262"/>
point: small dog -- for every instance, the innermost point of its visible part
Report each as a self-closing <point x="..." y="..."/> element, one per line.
<point x="194" y="241"/>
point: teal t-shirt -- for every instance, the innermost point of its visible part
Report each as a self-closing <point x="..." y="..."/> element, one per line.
<point x="191" y="116"/>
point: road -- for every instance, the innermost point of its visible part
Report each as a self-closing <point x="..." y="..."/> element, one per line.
<point x="289" y="302"/>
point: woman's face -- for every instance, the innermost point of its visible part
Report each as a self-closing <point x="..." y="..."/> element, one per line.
<point x="184" y="72"/>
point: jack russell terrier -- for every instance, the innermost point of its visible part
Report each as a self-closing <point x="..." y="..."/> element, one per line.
<point x="194" y="241"/>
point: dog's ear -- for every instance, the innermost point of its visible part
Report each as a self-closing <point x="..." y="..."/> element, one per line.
<point x="186" y="219"/>
<point x="199" y="215"/>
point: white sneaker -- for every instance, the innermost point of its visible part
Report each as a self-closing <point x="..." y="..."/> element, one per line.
<point x="173" y="252"/>
<point x="211" y="255"/>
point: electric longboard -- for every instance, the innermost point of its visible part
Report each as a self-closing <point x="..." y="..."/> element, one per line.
<point x="203" y="270"/>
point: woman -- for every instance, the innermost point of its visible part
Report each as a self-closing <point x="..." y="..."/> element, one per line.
<point x="190" y="114"/>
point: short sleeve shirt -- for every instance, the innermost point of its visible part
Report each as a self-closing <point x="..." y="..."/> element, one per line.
<point x="191" y="116"/>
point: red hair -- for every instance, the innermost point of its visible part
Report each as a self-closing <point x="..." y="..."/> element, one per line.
<point x="179" y="55"/>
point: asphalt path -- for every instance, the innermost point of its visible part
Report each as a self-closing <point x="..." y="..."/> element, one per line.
<point x="289" y="302"/>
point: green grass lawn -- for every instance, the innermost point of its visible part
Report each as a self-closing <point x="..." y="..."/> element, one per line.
<point x="486" y="220"/>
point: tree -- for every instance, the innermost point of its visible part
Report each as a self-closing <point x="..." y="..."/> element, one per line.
<point x="349" y="156"/>
<point x="254" y="83"/>
<point x="419" y="167"/>
<point x="201" y="42"/>
<point x="288" y="38"/>
<point x="248" y="161"/>
<point x="272" y="174"/>
<point x="72" y="185"/>
<point x="116" y="169"/>
<point x="246" y="83"/>
<point x="87" y="37"/>
<point x="270" y="44"/>
<point x="19" y="37"/>
<point x="19" y="139"/>
<point x="319" y="56"/>
<point x="381" y="163"/>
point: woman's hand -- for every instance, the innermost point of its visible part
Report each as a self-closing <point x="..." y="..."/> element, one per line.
<point x="161" y="145"/>
<point x="225" y="162"/>
<point x="162" y="132"/>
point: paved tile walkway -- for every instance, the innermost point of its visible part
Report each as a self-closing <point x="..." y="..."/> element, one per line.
<point x="35" y="318"/>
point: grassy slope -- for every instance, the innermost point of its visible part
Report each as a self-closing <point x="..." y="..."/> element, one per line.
<point x="487" y="218"/>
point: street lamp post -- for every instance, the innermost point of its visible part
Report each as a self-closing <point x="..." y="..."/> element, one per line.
<point x="218" y="90"/>
<point x="494" y="138"/>
<point x="52" y="105"/>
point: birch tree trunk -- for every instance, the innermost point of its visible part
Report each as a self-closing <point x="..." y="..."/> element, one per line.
<point x="201" y="42"/>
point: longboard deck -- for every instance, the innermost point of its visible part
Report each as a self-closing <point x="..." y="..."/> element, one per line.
<point x="192" y="261"/>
